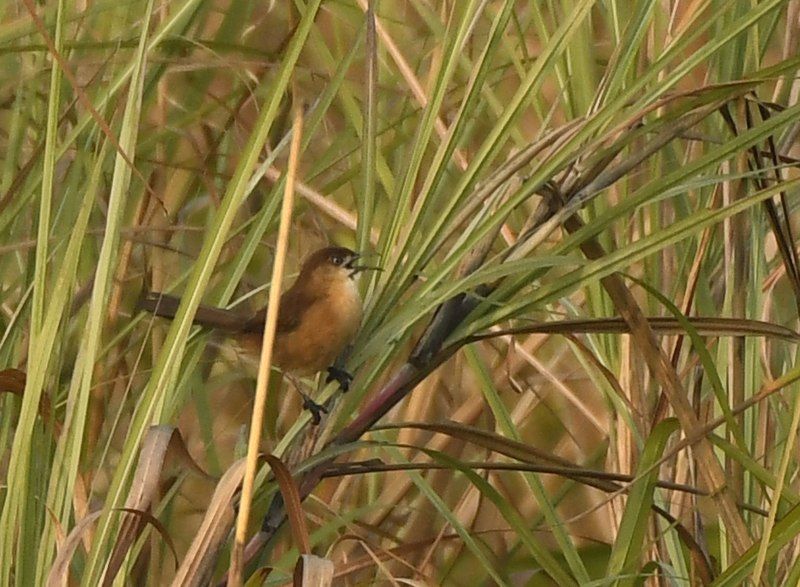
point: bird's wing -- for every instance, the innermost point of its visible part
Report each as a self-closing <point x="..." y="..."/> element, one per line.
<point x="294" y="302"/>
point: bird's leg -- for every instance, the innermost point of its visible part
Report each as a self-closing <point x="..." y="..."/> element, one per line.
<point x="340" y="375"/>
<point x="338" y="371"/>
<point x="308" y="404"/>
<point x="316" y="409"/>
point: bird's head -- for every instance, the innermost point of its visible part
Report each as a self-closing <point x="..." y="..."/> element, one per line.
<point x="330" y="265"/>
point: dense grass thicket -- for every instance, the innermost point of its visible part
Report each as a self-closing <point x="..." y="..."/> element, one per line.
<point x="578" y="365"/>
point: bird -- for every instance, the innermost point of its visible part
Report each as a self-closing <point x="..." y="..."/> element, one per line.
<point x="318" y="318"/>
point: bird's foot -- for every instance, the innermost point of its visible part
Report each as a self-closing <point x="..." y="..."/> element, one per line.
<point x="340" y="376"/>
<point x="316" y="409"/>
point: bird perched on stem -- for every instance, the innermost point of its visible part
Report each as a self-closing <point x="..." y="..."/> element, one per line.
<point x="318" y="318"/>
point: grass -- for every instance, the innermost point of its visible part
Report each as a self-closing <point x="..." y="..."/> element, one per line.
<point x="578" y="366"/>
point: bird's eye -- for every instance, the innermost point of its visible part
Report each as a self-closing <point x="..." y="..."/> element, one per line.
<point x="337" y="260"/>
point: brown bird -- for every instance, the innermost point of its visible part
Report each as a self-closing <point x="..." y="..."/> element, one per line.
<point x="318" y="318"/>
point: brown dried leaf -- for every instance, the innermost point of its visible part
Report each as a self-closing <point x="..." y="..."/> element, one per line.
<point x="662" y="325"/>
<point x="178" y="455"/>
<point x="199" y="559"/>
<point x="313" y="571"/>
<point x="59" y="572"/>
<point x="158" y="442"/>
<point x="291" y="497"/>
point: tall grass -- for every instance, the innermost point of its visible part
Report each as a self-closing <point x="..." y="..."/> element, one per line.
<point x="578" y="365"/>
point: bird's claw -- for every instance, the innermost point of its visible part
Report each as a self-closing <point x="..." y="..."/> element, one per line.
<point x="340" y="376"/>
<point x="316" y="409"/>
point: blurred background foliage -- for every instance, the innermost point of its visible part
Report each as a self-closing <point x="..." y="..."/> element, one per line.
<point x="577" y="367"/>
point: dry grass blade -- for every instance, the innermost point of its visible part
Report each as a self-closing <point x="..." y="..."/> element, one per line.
<point x="313" y="571"/>
<point x="663" y="372"/>
<point x="780" y="223"/>
<point x="310" y="569"/>
<point x="145" y="488"/>
<point x="179" y="455"/>
<point x="265" y="363"/>
<point x="59" y="572"/>
<point x="662" y="325"/>
<point x="197" y="565"/>
<point x="591" y="477"/>
<point x="291" y="497"/>
<point x="323" y="204"/>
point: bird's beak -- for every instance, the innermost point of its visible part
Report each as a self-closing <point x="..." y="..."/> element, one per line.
<point x="356" y="269"/>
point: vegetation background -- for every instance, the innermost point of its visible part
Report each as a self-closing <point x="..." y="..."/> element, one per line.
<point x="578" y="366"/>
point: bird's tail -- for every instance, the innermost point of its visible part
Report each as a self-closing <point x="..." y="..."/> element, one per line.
<point x="166" y="306"/>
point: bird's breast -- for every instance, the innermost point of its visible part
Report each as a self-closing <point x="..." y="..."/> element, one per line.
<point x="327" y="326"/>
